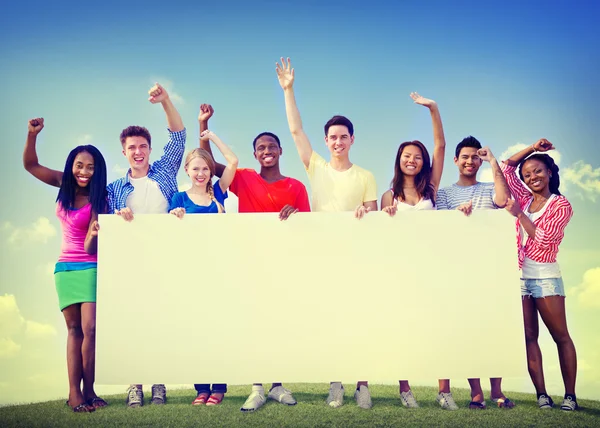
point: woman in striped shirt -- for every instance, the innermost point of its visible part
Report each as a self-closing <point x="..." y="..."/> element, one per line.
<point x="542" y="214"/>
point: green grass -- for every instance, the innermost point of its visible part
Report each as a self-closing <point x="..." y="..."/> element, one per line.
<point x="311" y="411"/>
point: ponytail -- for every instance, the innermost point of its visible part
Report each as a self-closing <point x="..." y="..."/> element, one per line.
<point x="211" y="194"/>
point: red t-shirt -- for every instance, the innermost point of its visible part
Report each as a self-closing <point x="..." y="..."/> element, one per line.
<point x="255" y="195"/>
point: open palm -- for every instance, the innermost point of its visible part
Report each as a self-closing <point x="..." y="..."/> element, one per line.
<point x="418" y="99"/>
<point x="285" y="73"/>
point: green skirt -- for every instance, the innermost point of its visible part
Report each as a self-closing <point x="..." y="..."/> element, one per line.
<point x="75" y="286"/>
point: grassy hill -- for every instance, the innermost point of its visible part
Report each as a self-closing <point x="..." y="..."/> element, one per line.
<point x="311" y="411"/>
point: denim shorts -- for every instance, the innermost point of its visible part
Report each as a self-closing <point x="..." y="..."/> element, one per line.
<point x="539" y="288"/>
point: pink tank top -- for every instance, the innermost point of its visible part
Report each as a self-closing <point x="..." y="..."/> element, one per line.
<point x="74" y="224"/>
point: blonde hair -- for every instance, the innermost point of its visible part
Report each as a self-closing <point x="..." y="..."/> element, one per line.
<point x="203" y="154"/>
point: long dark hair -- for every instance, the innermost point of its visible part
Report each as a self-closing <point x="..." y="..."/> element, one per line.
<point x="96" y="186"/>
<point x="554" y="181"/>
<point x="423" y="178"/>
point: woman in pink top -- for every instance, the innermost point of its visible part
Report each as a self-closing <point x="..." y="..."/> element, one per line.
<point x="542" y="215"/>
<point x="82" y="196"/>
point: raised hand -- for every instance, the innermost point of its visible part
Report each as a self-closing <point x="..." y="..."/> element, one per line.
<point x="206" y="112"/>
<point x="285" y="73"/>
<point x="35" y="125"/>
<point x="418" y="99"/>
<point x="543" y="145"/>
<point x="158" y="94"/>
<point x="206" y="135"/>
<point x="485" y="154"/>
<point x="287" y="211"/>
<point x="466" y="208"/>
<point x="178" y="212"/>
<point x="513" y="207"/>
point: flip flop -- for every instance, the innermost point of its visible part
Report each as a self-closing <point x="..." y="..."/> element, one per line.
<point x="477" y="405"/>
<point x="214" y="400"/>
<point x="97" y="402"/>
<point x="81" y="408"/>
<point x="200" y="399"/>
<point x="504" y="403"/>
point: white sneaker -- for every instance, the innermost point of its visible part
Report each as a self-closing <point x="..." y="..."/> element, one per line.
<point x="255" y="400"/>
<point x="545" y="402"/>
<point x="569" y="404"/>
<point x="363" y="397"/>
<point x="408" y="400"/>
<point x="336" y="395"/>
<point x="446" y="401"/>
<point x="282" y="395"/>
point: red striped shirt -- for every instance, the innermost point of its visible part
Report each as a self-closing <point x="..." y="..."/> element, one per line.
<point x="550" y="227"/>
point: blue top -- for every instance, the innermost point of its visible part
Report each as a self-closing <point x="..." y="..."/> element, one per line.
<point x="182" y="200"/>
<point x="163" y="171"/>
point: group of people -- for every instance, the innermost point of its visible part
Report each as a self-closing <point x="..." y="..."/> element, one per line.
<point x="337" y="184"/>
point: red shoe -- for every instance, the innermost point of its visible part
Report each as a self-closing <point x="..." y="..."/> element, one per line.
<point x="200" y="399"/>
<point x="214" y="400"/>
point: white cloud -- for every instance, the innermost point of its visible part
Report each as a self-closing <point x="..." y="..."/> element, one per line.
<point x="584" y="177"/>
<point x="588" y="292"/>
<point x="36" y="330"/>
<point x="168" y="85"/>
<point x="39" y="231"/>
<point x="14" y="327"/>
<point x="8" y="348"/>
<point x="554" y="154"/>
<point x="486" y="175"/>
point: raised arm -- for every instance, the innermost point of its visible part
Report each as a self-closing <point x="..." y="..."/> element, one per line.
<point x="541" y="145"/>
<point x="206" y="112"/>
<point x="501" y="190"/>
<point x="285" y="74"/>
<point x="30" y="159"/>
<point x="230" y="157"/>
<point x="158" y="94"/>
<point x="439" y="142"/>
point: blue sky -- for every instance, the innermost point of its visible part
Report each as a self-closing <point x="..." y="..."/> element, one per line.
<point x="508" y="73"/>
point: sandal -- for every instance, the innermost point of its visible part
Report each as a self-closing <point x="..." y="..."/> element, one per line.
<point x="200" y="399"/>
<point x="97" y="402"/>
<point x="213" y="400"/>
<point x="504" y="403"/>
<point x="477" y="405"/>
<point x="81" y="408"/>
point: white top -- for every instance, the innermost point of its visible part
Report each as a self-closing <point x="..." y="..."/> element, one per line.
<point x="423" y="204"/>
<point x="532" y="269"/>
<point x="146" y="197"/>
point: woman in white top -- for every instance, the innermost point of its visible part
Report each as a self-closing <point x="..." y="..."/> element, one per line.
<point x="414" y="187"/>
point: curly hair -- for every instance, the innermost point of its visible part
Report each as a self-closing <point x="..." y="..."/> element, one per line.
<point x="554" y="182"/>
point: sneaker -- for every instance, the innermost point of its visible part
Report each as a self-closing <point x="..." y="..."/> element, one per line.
<point x="408" y="400"/>
<point x="135" y="397"/>
<point x="159" y="394"/>
<point x="545" y="402"/>
<point x="569" y="404"/>
<point x="446" y="401"/>
<point x="282" y="395"/>
<point x="255" y="400"/>
<point x="336" y="395"/>
<point x="363" y="397"/>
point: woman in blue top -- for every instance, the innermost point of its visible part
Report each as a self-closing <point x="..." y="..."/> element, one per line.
<point x="204" y="198"/>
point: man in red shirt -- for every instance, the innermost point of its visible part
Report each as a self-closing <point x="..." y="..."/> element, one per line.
<point x="269" y="191"/>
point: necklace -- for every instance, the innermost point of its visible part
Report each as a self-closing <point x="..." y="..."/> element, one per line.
<point x="539" y="205"/>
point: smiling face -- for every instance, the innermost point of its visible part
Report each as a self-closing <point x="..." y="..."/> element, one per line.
<point x="199" y="172"/>
<point x="267" y="151"/>
<point x="411" y="160"/>
<point x="536" y="175"/>
<point x="83" y="168"/>
<point x="339" y="141"/>
<point x="468" y="162"/>
<point x="137" y="151"/>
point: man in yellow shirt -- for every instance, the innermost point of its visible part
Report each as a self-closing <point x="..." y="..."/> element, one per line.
<point x="337" y="185"/>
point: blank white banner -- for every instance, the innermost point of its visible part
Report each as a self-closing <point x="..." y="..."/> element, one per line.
<point x="242" y="298"/>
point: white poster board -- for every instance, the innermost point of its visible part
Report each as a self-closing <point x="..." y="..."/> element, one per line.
<point x="243" y="298"/>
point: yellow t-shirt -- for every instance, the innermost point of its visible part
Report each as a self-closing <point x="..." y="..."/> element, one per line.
<point x="339" y="191"/>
